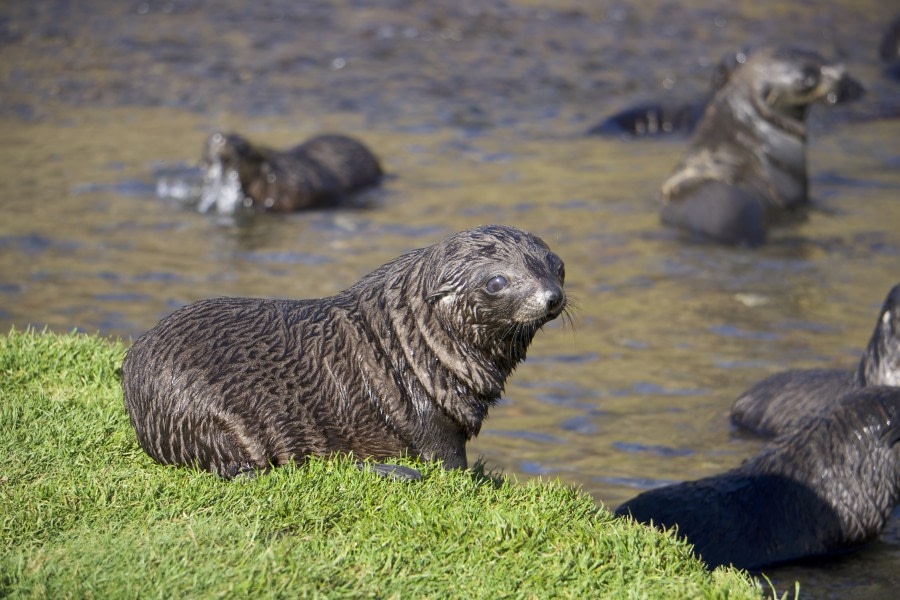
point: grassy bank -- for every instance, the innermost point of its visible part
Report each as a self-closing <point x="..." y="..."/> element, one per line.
<point x="85" y="513"/>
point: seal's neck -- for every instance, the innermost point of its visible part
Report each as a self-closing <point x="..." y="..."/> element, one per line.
<point x="788" y="119"/>
<point x="880" y="365"/>
<point x="429" y="362"/>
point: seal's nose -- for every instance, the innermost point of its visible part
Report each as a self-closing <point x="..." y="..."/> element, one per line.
<point x="848" y="89"/>
<point x="843" y="88"/>
<point x="554" y="299"/>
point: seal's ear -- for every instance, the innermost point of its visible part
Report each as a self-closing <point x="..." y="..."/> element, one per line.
<point x="440" y="291"/>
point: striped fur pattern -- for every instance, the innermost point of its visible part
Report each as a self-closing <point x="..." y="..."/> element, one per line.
<point x="406" y="361"/>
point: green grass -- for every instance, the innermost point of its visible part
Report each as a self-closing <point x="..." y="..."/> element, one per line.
<point x="85" y="513"/>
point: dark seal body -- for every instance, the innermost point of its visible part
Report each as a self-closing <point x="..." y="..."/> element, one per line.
<point x="406" y="361"/>
<point x="315" y="174"/>
<point x="745" y="166"/>
<point x="827" y="487"/>
<point x="776" y="404"/>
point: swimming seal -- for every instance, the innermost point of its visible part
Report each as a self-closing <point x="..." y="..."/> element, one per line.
<point x="775" y="404"/>
<point x="405" y="362"/>
<point x="827" y="487"/>
<point x="315" y="174"/>
<point x="746" y="164"/>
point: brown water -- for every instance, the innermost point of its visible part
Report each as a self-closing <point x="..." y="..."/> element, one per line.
<point x="476" y="109"/>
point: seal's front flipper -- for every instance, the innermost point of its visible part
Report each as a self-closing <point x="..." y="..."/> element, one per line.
<point x="392" y="471"/>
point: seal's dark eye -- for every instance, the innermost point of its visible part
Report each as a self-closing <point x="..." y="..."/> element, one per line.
<point x="496" y="283"/>
<point x="810" y="77"/>
<point x="561" y="273"/>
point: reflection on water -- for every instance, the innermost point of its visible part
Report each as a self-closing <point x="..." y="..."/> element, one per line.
<point x="477" y="111"/>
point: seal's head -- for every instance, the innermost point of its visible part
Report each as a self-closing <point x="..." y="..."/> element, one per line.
<point x="229" y="149"/>
<point x="881" y="363"/>
<point x="786" y="81"/>
<point x="226" y="160"/>
<point x="496" y="283"/>
<point x="463" y="313"/>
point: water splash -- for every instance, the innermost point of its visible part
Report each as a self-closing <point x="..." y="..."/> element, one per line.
<point x="221" y="190"/>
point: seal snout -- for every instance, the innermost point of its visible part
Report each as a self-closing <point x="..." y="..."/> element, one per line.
<point x="554" y="300"/>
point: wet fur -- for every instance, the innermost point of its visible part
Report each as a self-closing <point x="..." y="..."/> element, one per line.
<point x="405" y="362"/>
<point x="826" y="487"/>
<point x="315" y="174"/>
<point x="777" y="403"/>
<point x="746" y="164"/>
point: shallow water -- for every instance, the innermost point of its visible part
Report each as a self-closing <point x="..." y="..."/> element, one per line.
<point x="477" y="110"/>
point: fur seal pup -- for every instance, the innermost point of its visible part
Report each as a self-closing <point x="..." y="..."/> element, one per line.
<point x="775" y="404"/>
<point x="405" y="362"/>
<point x="315" y="174"/>
<point x="827" y="487"/>
<point x="746" y="163"/>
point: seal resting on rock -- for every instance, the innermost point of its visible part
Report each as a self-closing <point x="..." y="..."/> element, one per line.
<point x="775" y="404"/>
<point x="405" y="362"/>
<point x="315" y="174"/>
<point x="827" y="487"/>
<point x="746" y="164"/>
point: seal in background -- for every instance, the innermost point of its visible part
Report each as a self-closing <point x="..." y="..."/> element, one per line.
<point x="319" y="173"/>
<point x="745" y="167"/>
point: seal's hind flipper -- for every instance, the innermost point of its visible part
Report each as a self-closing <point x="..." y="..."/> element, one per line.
<point x="392" y="471"/>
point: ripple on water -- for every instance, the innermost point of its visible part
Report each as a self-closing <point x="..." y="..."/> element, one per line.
<point x="122" y="297"/>
<point x="531" y="436"/>
<point x="666" y="451"/>
<point x="33" y="244"/>
<point x="285" y="257"/>
<point x="639" y="483"/>
<point x="530" y="467"/>
<point x="580" y="358"/>
<point x="10" y="288"/>
<point x="581" y="425"/>
<point x="128" y="187"/>
<point x="647" y="388"/>
<point x="733" y="331"/>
